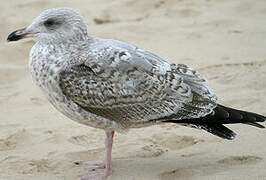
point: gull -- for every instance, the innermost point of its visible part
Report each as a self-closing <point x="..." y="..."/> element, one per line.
<point x="115" y="86"/>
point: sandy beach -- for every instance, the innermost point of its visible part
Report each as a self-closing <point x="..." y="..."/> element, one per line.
<point x="224" y="40"/>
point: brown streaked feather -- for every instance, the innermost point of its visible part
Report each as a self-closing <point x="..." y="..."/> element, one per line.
<point x="133" y="94"/>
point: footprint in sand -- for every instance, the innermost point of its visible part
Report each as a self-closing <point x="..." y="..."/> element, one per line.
<point x="159" y="145"/>
<point x="81" y="140"/>
<point x="29" y="166"/>
<point x="224" y="73"/>
<point x="91" y="154"/>
<point x="85" y="140"/>
<point x="152" y="150"/>
<point x="174" y="142"/>
<point x="240" y="160"/>
<point x="184" y="174"/>
<point x="42" y="165"/>
<point x="14" y="140"/>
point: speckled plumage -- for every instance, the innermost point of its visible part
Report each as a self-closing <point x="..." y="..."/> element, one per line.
<point x="112" y="85"/>
<point x="115" y="86"/>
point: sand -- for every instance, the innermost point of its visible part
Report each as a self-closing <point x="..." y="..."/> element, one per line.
<point x="223" y="39"/>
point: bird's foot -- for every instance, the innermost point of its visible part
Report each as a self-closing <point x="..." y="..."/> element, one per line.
<point x="104" y="169"/>
<point x="97" y="175"/>
<point x="91" y="164"/>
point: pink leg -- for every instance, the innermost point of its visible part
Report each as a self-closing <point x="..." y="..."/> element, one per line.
<point x="108" y="161"/>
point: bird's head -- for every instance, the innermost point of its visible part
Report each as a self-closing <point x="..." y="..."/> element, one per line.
<point x="53" y="25"/>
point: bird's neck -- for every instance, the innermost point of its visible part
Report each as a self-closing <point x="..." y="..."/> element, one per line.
<point x="48" y="58"/>
<point x="74" y="48"/>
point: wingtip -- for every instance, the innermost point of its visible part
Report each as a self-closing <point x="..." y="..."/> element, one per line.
<point x="232" y="137"/>
<point x="255" y="124"/>
<point x="229" y="136"/>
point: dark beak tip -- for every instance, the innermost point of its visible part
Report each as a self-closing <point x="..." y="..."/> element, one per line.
<point x="14" y="37"/>
<point x="8" y="39"/>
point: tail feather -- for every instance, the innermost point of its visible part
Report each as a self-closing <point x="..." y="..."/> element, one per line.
<point x="225" y="115"/>
<point x="218" y="130"/>
<point x="213" y="123"/>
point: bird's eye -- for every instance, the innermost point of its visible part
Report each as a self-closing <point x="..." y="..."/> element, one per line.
<point x="49" y="23"/>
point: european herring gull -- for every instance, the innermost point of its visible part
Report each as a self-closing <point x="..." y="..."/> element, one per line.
<point x="115" y="86"/>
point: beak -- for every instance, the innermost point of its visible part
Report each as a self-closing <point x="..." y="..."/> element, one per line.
<point x="19" y="34"/>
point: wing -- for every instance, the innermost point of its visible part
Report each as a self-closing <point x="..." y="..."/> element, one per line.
<point x="130" y="86"/>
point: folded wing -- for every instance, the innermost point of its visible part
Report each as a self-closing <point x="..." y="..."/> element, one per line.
<point x="131" y="86"/>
